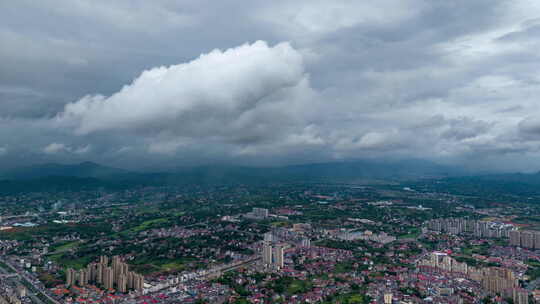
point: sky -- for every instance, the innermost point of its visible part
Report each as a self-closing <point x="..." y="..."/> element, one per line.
<point x="158" y="84"/>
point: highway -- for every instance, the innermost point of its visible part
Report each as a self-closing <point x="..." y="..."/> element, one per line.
<point x="5" y="275"/>
<point x="214" y="272"/>
<point x="229" y="267"/>
<point x="29" y="281"/>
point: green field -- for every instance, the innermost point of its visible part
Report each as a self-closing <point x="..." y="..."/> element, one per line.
<point x="478" y="249"/>
<point x="411" y="234"/>
<point x="291" y="285"/>
<point x="298" y="286"/>
<point x="173" y="266"/>
<point x="343" y="267"/>
<point x="148" y="265"/>
<point x="351" y="298"/>
<point x="70" y="262"/>
<point x="30" y="233"/>
<point x="63" y="247"/>
<point x="149" y="224"/>
<point x="279" y="224"/>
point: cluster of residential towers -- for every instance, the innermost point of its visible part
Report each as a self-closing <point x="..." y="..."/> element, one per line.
<point x="116" y="275"/>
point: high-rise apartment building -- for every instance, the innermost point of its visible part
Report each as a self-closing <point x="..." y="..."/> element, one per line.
<point x="260" y="212"/>
<point x="104" y="260"/>
<point x="83" y="277"/>
<point x="520" y="296"/>
<point x="493" y="279"/>
<point x="116" y="275"/>
<point x="305" y="242"/>
<point x="71" y="276"/>
<point x="515" y="238"/>
<point x="108" y="278"/>
<point x="278" y="256"/>
<point x="467" y="226"/>
<point x="138" y="282"/>
<point x="498" y="279"/>
<point x="99" y="273"/>
<point x="388" y="297"/>
<point x="267" y="253"/>
<point x="122" y="283"/>
<point x="272" y="252"/>
<point x="526" y="239"/>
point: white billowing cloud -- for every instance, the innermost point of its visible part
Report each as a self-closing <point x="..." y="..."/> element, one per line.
<point x="82" y="149"/>
<point x="57" y="148"/>
<point x="213" y="95"/>
<point x="3" y="151"/>
<point x="166" y="147"/>
<point x="369" y="141"/>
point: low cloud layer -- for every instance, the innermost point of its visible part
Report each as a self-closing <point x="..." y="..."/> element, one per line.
<point x="59" y="148"/>
<point x="270" y="82"/>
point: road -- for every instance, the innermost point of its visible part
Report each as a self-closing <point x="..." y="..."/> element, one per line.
<point x="6" y="275"/>
<point x="214" y="272"/>
<point x="34" y="298"/>
<point x="230" y="267"/>
<point x="31" y="282"/>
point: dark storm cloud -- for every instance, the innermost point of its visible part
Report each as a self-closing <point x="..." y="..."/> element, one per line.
<point x="166" y="82"/>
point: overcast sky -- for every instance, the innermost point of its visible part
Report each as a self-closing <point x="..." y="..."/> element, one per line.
<point x="144" y="84"/>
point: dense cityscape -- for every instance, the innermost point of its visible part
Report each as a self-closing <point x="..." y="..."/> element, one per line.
<point x="283" y="243"/>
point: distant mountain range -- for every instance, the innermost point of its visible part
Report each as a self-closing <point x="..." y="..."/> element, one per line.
<point x="85" y="169"/>
<point x="88" y="175"/>
<point x="320" y="171"/>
